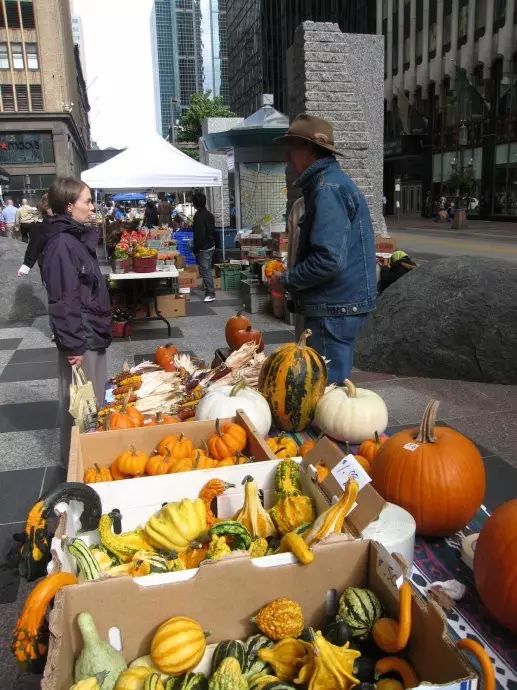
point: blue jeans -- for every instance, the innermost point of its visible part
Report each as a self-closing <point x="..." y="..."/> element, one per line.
<point x="204" y="259"/>
<point x="333" y="337"/>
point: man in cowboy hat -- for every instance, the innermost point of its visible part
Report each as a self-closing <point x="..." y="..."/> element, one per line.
<point x="333" y="280"/>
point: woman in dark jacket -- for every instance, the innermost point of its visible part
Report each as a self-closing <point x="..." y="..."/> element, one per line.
<point x="150" y="215"/>
<point x="78" y="298"/>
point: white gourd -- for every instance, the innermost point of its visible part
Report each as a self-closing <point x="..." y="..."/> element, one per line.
<point x="351" y="414"/>
<point x="226" y="400"/>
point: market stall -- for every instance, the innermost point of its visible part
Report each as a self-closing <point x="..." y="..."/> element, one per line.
<point x="267" y="533"/>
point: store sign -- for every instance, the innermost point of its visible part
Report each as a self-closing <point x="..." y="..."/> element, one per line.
<point x="26" y="147"/>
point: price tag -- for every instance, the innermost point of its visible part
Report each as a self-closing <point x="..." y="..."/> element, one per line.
<point x="348" y="468"/>
<point x="412" y="446"/>
<point x="389" y="573"/>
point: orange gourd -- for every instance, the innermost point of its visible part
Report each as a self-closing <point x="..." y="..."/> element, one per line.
<point x="164" y="357"/>
<point x="228" y="439"/>
<point x="487" y="669"/>
<point x="306" y="447"/>
<point x="369" y="449"/>
<point x="391" y="635"/>
<point x="119" y="419"/>
<point x="116" y="473"/>
<point x="435" y="473"/>
<point x="162" y="418"/>
<point x="95" y="474"/>
<point x="132" y="462"/>
<point x="237" y="459"/>
<point x="234" y="324"/>
<point x="201" y="461"/>
<point x="180" y="465"/>
<point x="394" y="663"/>
<point x="193" y="556"/>
<point x="157" y="465"/>
<point x="136" y="415"/>
<point x="322" y="472"/>
<point x="30" y="637"/>
<point x="178" y="446"/>
<point x="248" y="335"/>
<point x="210" y="491"/>
<point x="495" y="565"/>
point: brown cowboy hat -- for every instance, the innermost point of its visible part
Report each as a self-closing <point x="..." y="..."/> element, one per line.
<point x="316" y="130"/>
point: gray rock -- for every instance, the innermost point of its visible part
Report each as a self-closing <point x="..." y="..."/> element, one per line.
<point x="453" y="318"/>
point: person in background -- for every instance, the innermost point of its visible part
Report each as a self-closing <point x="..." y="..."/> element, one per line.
<point x="150" y="215"/>
<point x="78" y="299"/>
<point x="164" y="212"/>
<point x="204" y="243"/>
<point x="118" y="213"/>
<point x="9" y="218"/>
<point x="293" y="235"/>
<point x="26" y="217"/>
<point x="398" y="265"/>
<point x="35" y="246"/>
<point x="333" y="281"/>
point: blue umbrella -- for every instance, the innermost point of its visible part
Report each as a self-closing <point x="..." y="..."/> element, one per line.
<point x="129" y="196"/>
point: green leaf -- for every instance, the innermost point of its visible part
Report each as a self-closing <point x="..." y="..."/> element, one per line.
<point x="201" y="105"/>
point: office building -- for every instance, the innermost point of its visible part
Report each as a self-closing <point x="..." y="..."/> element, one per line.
<point x="189" y="54"/>
<point x="451" y="103"/>
<point x="44" y="129"/>
<point x="77" y="34"/>
<point x="261" y="31"/>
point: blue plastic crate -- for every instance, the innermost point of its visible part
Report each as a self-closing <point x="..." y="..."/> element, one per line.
<point x="229" y="238"/>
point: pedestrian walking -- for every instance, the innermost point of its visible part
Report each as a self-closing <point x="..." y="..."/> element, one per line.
<point x="36" y="238"/>
<point x="26" y="216"/>
<point x="9" y="218"/>
<point x="204" y="243"/>
<point x="164" y="212"/>
<point x="150" y="215"/>
<point x="333" y="281"/>
<point x="78" y="298"/>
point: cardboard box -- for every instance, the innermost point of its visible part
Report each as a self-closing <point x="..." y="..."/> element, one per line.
<point x="170" y="306"/>
<point x="187" y="279"/>
<point x="385" y="244"/>
<point x="193" y="269"/>
<point x="224" y="595"/>
<point x="103" y="448"/>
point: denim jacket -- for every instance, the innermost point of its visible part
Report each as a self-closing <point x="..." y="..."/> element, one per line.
<point x="334" y="272"/>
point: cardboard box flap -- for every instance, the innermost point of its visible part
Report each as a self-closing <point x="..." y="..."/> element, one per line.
<point x="369" y="502"/>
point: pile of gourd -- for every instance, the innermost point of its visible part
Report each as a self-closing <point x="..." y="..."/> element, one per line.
<point x="349" y="651"/>
<point x="184" y="533"/>
<point x="177" y="453"/>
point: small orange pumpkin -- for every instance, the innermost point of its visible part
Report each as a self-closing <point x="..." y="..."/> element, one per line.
<point x="201" y="461"/>
<point x="369" y="449"/>
<point x="178" y="446"/>
<point x="365" y="464"/>
<point x="119" y="419"/>
<point x="116" y="473"/>
<point x="132" y="462"/>
<point x="306" y="447"/>
<point x="162" y="418"/>
<point x="180" y="465"/>
<point x="228" y="439"/>
<point x="273" y="266"/>
<point x="164" y="357"/>
<point x="94" y="474"/>
<point x="136" y="415"/>
<point x="158" y="464"/>
<point x="322" y="472"/>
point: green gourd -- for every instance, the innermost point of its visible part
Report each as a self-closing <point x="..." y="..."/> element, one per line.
<point x="226" y="648"/>
<point x="228" y="676"/>
<point x="97" y="655"/>
<point x="189" y="681"/>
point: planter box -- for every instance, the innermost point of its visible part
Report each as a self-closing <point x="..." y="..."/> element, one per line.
<point x="145" y="264"/>
<point x="224" y="595"/>
<point x="103" y="447"/>
<point x="121" y="329"/>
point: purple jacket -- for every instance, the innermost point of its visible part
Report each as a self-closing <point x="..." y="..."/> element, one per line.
<point x="78" y="298"/>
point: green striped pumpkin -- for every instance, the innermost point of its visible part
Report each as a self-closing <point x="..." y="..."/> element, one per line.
<point x="189" y="681"/>
<point x="228" y="648"/>
<point x="360" y="608"/>
<point x="254" y="665"/>
<point x="293" y="379"/>
<point x="87" y="565"/>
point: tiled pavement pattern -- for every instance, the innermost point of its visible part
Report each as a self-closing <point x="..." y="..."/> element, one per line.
<point x="29" y="439"/>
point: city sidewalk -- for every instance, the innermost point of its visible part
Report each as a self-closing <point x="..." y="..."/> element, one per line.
<point x="476" y="227"/>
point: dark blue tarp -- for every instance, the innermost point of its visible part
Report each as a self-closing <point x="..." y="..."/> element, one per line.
<point x="129" y="196"/>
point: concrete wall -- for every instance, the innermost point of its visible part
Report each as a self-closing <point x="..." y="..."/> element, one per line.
<point x="340" y="77"/>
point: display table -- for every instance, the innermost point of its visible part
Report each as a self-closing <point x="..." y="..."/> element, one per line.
<point x="145" y="289"/>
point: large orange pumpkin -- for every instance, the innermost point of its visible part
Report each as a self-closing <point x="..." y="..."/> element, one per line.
<point x="495" y="565"/>
<point x="435" y="473"/>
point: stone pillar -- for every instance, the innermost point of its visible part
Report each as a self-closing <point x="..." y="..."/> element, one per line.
<point x="340" y="77"/>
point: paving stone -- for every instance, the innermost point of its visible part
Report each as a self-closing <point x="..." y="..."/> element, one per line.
<point x="27" y="449"/>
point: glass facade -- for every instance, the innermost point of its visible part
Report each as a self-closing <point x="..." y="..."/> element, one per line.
<point x="190" y="53"/>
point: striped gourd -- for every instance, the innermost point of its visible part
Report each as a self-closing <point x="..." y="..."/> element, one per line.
<point x="178" y="645"/>
<point x="360" y="609"/>
<point x="190" y="681"/>
<point x="153" y="682"/>
<point x="255" y="665"/>
<point x="227" y="648"/>
<point x="87" y="565"/>
<point x="293" y="379"/>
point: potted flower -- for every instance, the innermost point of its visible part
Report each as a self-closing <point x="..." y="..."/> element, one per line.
<point x="120" y="258"/>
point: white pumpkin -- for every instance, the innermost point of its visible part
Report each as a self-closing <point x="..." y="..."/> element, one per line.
<point x="351" y="414"/>
<point x="226" y="400"/>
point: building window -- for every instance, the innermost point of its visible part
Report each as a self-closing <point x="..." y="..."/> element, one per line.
<point x="419" y="31"/>
<point x="27" y="14"/>
<point x="499" y="14"/>
<point x="407" y="34"/>
<point x="432" y="30"/>
<point x="463" y="23"/>
<point x="22" y="98"/>
<point x="31" y="50"/>
<point x="4" y="56"/>
<point x="17" y="55"/>
<point x="480" y="18"/>
<point x="395" y="42"/>
<point x="7" y="98"/>
<point x="447" y="26"/>
<point x="36" y="97"/>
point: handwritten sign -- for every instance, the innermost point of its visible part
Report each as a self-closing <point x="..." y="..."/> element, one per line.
<point x="348" y="468"/>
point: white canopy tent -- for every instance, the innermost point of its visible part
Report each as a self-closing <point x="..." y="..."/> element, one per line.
<point x="153" y="164"/>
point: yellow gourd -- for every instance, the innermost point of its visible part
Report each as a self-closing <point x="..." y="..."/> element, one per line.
<point x="287" y="657"/>
<point x="333" y="518"/>
<point x="178" y="645"/>
<point x="87" y="684"/>
<point x="258" y="548"/>
<point x="331" y="666"/>
<point x="252" y="514"/>
<point x="291" y="512"/>
<point x="280" y="619"/>
<point x="294" y="543"/>
<point x="177" y="525"/>
<point x="218" y="548"/>
<point x="283" y="446"/>
<point x="133" y="678"/>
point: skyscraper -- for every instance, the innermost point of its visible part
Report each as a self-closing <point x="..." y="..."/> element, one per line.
<point x="190" y="55"/>
<point x="261" y="31"/>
